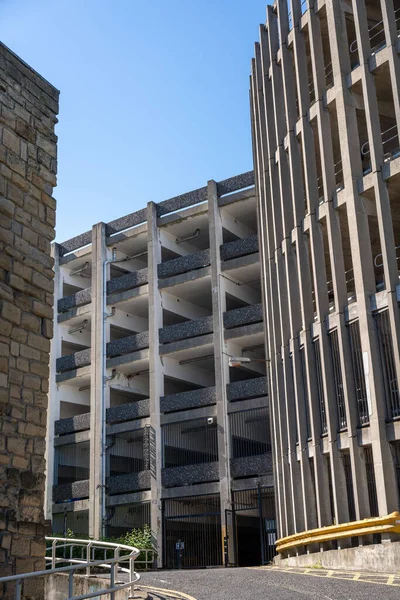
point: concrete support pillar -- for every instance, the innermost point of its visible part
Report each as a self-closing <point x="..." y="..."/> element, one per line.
<point x="156" y="377"/>
<point x="53" y="405"/>
<point x="257" y="102"/>
<point x="98" y="388"/>
<point x="361" y="251"/>
<point x="218" y="297"/>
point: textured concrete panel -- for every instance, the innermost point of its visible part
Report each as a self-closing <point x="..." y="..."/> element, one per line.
<point x="241" y="261"/>
<point x="140" y="355"/>
<point x="227" y="186"/>
<point x="190" y="474"/>
<point x="244" y="331"/>
<point x="188" y="344"/>
<point x="239" y="248"/>
<point x="79" y="299"/>
<point x="129" y="483"/>
<point x="184" y="277"/>
<point x="183" y="264"/>
<point x="73" y="361"/>
<point x="191" y="399"/>
<point x="243" y="316"/>
<point x="251" y="465"/>
<point x="249" y="388"/>
<point x="126" y="282"/>
<point x="188" y="329"/>
<point x="72" y="424"/>
<point x="132" y="343"/>
<point x="71" y="491"/>
<point x="76" y="242"/>
<point x="182" y="201"/>
<point x="128" y="412"/>
<point x="135" y="218"/>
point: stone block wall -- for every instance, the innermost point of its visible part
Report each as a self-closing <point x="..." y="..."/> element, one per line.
<point x="28" y="166"/>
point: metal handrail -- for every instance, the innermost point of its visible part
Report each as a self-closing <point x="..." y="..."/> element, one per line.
<point x="353" y="45"/>
<point x="88" y="564"/>
<point x="381" y="264"/>
<point x="303" y="8"/>
<point x="365" y="147"/>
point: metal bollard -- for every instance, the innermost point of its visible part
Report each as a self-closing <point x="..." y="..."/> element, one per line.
<point x="53" y="554"/>
<point x="71" y="584"/>
<point x="88" y="547"/>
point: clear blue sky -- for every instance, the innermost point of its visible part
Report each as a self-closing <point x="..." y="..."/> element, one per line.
<point x="154" y="96"/>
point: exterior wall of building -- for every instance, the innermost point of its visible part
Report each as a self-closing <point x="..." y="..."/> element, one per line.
<point x="28" y="164"/>
<point x="325" y="119"/>
<point x="147" y="419"/>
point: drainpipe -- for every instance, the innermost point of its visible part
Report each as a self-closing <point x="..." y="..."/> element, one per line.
<point x="104" y="380"/>
<point x="103" y="406"/>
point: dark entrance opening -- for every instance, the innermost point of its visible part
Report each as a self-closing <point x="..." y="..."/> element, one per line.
<point x="248" y="541"/>
<point x="251" y="528"/>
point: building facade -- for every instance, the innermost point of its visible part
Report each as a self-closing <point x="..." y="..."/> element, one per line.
<point x="325" y="118"/>
<point x="148" y="424"/>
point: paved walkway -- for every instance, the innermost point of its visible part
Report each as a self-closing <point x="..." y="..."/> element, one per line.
<point x="262" y="583"/>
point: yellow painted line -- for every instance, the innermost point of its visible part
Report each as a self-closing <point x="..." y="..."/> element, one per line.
<point x="170" y="593"/>
<point x="357" y="576"/>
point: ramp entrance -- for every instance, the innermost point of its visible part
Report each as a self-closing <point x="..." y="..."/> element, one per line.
<point x="251" y="528"/>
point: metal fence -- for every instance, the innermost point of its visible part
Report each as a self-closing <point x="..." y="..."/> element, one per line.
<point x="388" y="364"/>
<point x="349" y="485"/>
<point x="71" y="463"/>
<point x="192" y="532"/>
<point x="330" y="488"/>
<point x="305" y="391"/>
<point x="250" y="432"/>
<point x="254" y="506"/>
<point x="338" y="380"/>
<point x="127" y="517"/>
<point x="396" y="460"/>
<point x="126" y="453"/>
<point x="358" y="373"/>
<point x="371" y="484"/>
<point x="190" y="442"/>
<point x="320" y="387"/>
<point x="76" y="521"/>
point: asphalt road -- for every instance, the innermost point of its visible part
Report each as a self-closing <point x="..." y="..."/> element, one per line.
<point x="267" y="583"/>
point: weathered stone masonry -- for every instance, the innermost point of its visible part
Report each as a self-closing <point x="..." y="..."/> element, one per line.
<point x="28" y="166"/>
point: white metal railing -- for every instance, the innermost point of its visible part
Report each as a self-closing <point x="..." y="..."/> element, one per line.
<point x="374" y="32"/>
<point x="87" y="550"/>
<point x="304" y="7"/>
<point x="388" y="136"/>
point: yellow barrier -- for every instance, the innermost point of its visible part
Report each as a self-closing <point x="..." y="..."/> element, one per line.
<point x="388" y="524"/>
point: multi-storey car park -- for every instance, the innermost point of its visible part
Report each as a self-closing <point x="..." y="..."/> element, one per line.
<point x="147" y="422"/>
<point x="326" y="117"/>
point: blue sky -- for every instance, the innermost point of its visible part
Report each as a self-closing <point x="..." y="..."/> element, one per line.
<point x="154" y="96"/>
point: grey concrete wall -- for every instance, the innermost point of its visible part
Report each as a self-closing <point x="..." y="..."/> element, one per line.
<point x="183" y="264"/>
<point x="375" y="558"/>
<point x="239" y="248"/>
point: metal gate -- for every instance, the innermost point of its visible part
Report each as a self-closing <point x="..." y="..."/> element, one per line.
<point x="192" y="532"/>
<point x="251" y="527"/>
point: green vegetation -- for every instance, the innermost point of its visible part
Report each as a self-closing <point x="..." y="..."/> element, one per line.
<point x="138" y="538"/>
